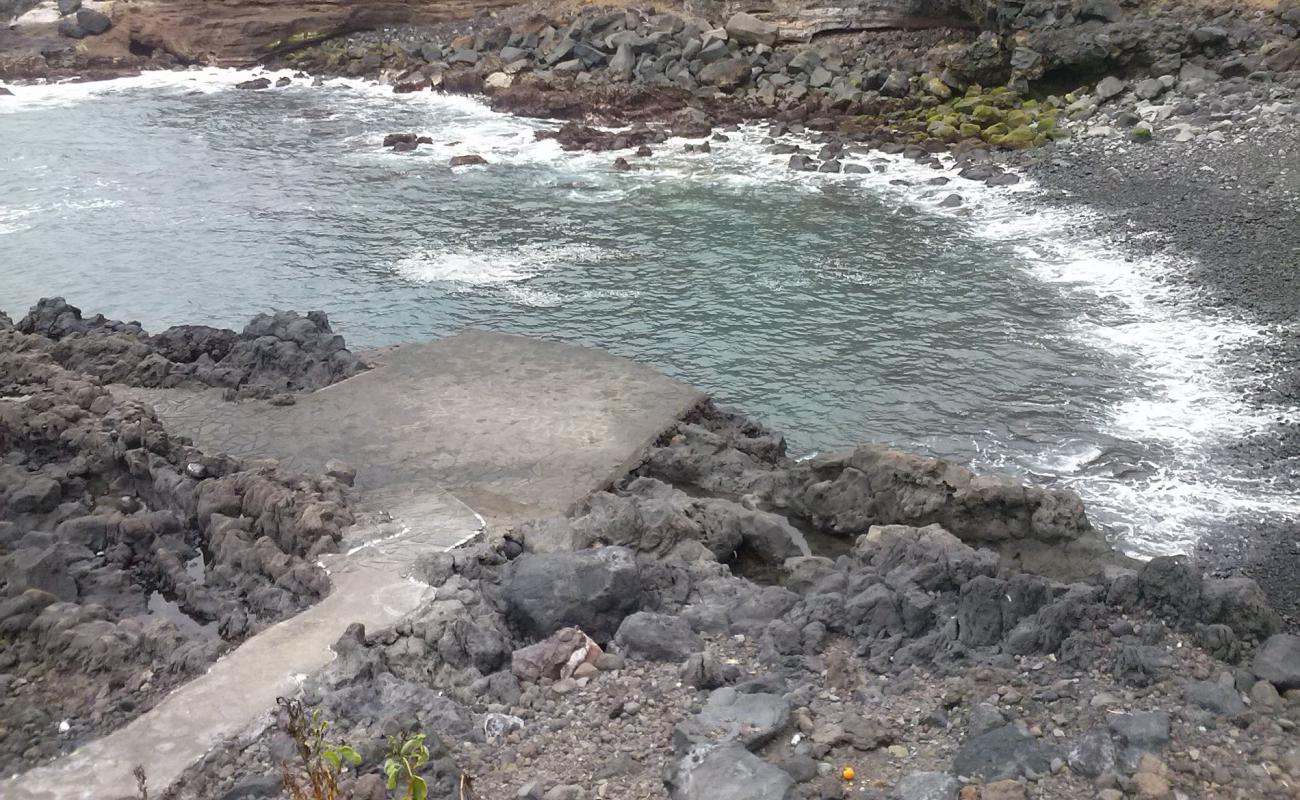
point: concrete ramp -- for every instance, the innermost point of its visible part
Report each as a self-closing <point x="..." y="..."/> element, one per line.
<point x="509" y="426"/>
<point x="513" y="426"/>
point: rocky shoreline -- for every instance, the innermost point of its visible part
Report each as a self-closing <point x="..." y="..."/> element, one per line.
<point x="952" y="635"/>
<point x="129" y="559"/>
<point x="723" y="622"/>
<point x="618" y="652"/>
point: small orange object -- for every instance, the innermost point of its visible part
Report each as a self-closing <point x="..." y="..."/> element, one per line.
<point x="847" y="773"/>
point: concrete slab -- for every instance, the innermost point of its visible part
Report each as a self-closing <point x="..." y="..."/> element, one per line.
<point x="514" y="426"/>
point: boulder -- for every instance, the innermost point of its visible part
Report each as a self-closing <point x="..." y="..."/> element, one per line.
<point x="1005" y="752"/>
<point x="1092" y="753"/>
<point x="621" y="65"/>
<point x="728" y="74"/>
<point x="1214" y="696"/>
<point x="1240" y="604"/>
<point x="703" y="671"/>
<point x="751" y="720"/>
<point x="255" y="83"/>
<point x="594" y="590"/>
<point x="926" y="786"/>
<point x="1149" y="89"/>
<point x="848" y="493"/>
<point x="39" y="494"/>
<point x="769" y="536"/>
<point x="45" y="569"/>
<point x="898" y="84"/>
<point x="1104" y="10"/>
<point x="645" y="636"/>
<point x="1109" y="87"/>
<point x="727" y="772"/>
<point x="93" y="22"/>
<point x="1138" y="733"/>
<point x="747" y="29"/>
<point x="466" y="160"/>
<point x="555" y="657"/>
<point x="1278" y="661"/>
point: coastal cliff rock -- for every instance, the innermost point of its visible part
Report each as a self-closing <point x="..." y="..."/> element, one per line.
<point x="129" y="559"/>
<point x="235" y="33"/>
<point x="121" y="36"/>
<point x="275" y="353"/>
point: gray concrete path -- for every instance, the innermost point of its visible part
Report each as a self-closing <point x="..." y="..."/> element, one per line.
<point x="515" y="427"/>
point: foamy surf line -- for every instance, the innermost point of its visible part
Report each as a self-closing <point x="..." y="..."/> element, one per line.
<point x="1192" y="404"/>
<point x="1188" y="404"/>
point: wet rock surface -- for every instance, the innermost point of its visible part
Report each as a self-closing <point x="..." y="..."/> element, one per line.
<point x="129" y="559"/>
<point x="926" y="664"/>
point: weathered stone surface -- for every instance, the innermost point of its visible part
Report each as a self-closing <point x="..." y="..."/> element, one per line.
<point x="646" y="636"/>
<point x="1214" y="696"/>
<point x="728" y="772"/>
<point x="593" y="590"/>
<point x="926" y="786"/>
<point x="751" y="720"/>
<point x="749" y="29"/>
<point x="1278" y="661"/>
<point x="242" y="32"/>
<point x="1006" y="752"/>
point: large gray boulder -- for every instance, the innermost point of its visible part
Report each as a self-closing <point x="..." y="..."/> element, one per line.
<point x="93" y="22"/>
<point x="1006" y="752"/>
<point x="1278" y="661"/>
<point x="593" y="590"/>
<point x="752" y="720"/>
<point x="45" y="569"/>
<point x="38" y="494"/>
<point x="728" y="74"/>
<point x="728" y="772"/>
<point x="646" y="636"/>
<point x="1214" y="696"/>
<point x="747" y="29"/>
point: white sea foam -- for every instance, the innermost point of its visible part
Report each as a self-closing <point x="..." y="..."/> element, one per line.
<point x="467" y="267"/>
<point x="207" y="80"/>
<point x="1188" y="402"/>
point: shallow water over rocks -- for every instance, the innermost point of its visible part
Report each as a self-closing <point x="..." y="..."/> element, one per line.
<point x="838" y="308"/>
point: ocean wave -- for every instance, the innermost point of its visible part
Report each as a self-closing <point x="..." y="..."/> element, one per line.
<point x="467" y="267"/>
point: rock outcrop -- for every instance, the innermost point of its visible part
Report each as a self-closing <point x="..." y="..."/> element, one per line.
<point x="125" y="551"/>
<point x="244" y="32"/>
<point x="275" y="353"/>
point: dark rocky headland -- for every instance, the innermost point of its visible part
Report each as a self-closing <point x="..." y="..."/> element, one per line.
<point x="129" y="559"/>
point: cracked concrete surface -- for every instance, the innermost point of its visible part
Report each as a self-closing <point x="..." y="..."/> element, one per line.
<point x="508" y="426"/>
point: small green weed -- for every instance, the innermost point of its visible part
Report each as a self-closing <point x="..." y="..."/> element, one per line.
<point x="406" y="754"/>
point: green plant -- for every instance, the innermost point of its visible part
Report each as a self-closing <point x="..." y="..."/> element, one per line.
<point x="318" y="776"/>
<point x="406" y="754"/>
